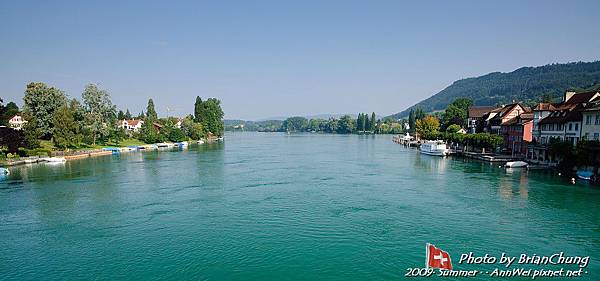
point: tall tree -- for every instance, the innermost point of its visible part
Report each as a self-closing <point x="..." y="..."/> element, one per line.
<point x="457" y="112"/>
<point x="120" y="115"/>
<point x="373" y="122"/>
<point x="150" y="111"/>
<point x="39" y="103"/>
<point x="427" y="127"/>
<point x="100" y="112"/>
<point x="212" y="116"/>
<point x="346" y="125"/>
<point x="66" y="130"/>
<point x="411" y="120"/>
<point x="7" y="112"/>
<point x="295" y="124"/>
<point x="198" y="109"/>
<point x="128" y="114"/>
<point x="365" y="122"/>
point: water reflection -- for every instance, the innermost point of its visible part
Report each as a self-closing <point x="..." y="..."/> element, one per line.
<point x="432" y="164"/>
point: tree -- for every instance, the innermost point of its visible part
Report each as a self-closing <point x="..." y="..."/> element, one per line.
<point x="116" y="134"/>
<point x="419" y="113"/>
<point x="453" y="128"/>
<point x="198" y="109"/>
<point x="295" y="124"/>
<point x="212" y="116"/>
<point x="457" y="112"/>
<point x="367" y="123"/>
<point x="150" y="111"/>
<point x="411" y="120"/>
<point x="346" y="125"/>
<point x="66" y="131"/>
<point x="332" y="125"/>
<point x="427" y="127"/>
<point x="12" y="139"/>
<point x="373" y="122"/>
<point x="40" y="102"/>
<point x="120" y="115"/>
<point x="99" y="112"/>
<point x="127" y="115"/>
<point x="7" y="112"/>
<point x="192" y="129"/>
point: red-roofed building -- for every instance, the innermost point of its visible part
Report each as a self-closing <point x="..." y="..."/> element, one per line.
<point x="517" y="133"/>
<point x="131" y="125"/>
<point x="478" y="117"/>
<point x="559" y="121"/>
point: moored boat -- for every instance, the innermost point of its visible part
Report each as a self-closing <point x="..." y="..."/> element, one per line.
<point x="56" y="159"/>
<point x="516" y="164"/>
<point x="4" y="171"/>
<point x="435" y="148"/>
<point x="584" y="175"/>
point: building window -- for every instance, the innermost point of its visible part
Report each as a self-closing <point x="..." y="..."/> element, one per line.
<point x="597" y="120"/>
<point x="586" y="136"/>
<point x="570" y="126"/>
<point x="588" y="119"/>
<point x="596" y="136"/>
<point x="576" y="126"/>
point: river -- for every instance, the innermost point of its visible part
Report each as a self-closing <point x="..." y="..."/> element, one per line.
<point x="270" y="206"/>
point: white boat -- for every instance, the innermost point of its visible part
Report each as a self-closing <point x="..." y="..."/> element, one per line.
<point x="56" y="159"/>
<point x="435" y="148"/>
<point x="515" y="164"/>
<point x="31" y="160"/>
<point x="4" y="171"/>
<point x="200" y="141"/>
<point x="406" y="138"/>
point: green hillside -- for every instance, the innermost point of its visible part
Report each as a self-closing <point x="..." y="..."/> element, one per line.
<point x="526" y="84"/>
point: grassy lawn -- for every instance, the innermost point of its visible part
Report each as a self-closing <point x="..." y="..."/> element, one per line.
<point x="46" y="144"/>
<point x="129" y="142"/>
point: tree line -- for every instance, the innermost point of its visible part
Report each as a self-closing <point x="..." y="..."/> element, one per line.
<point x="71" y="123"/>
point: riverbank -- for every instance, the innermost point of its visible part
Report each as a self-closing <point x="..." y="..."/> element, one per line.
<point x="63" y="156"/>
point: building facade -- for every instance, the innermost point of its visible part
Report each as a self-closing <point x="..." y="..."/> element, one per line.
<point x="16" y="122"/>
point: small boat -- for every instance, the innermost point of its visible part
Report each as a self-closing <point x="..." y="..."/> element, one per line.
<point x="56" y="159"/>
<point x="515" y="164"/>
<point x="31" y="160"/>
<point x="162" y="145"/>
<point x="4" y="171"/>
<point x="435" y="148"/>
<point x="200" y="141"/>
<point x="584" y="175"/>
<point x="114" y="150"/>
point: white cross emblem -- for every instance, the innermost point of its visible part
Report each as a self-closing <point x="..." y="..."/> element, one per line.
<point x="441" y="258"/>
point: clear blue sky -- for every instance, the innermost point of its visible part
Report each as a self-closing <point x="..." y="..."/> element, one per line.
<point x="280" y="58"/>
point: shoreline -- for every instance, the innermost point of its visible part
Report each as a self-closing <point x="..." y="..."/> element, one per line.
<point x="65" y="156"/>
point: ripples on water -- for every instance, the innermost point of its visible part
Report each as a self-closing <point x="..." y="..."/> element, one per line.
<point x="280" y="207"/>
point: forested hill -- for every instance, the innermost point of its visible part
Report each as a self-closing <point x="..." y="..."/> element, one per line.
<point x="526" y="84"/>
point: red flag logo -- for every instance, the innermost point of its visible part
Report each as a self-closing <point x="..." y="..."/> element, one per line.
<point x="437" y="258"/>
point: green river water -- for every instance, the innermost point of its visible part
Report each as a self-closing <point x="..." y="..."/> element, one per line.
<point x="269" y="206"/>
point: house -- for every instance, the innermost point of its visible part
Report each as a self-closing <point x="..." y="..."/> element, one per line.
<point x="562" y="122"/>
<point x="505" y="114"/>
<point x="132" y="125"/>
<point x="478" y="116"/>
<point x="541" y="111"/>
<point x="590" y="127"/>
<point x="16" y="122"/>
<point x="517" y="133"/>
<point x="157" y="126"/>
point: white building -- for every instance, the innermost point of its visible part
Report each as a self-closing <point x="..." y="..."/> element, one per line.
<point x="16" y="122"/>
<point x="132" y="125"/>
